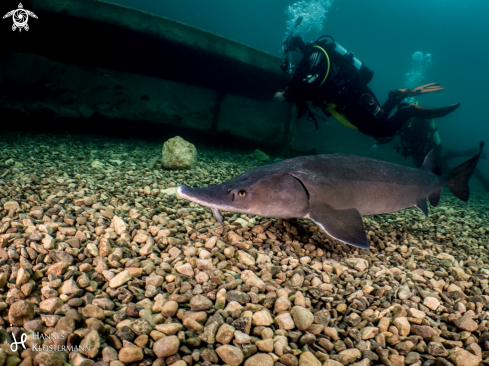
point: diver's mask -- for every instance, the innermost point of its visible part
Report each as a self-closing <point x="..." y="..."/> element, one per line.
<point x="292" y="56"/>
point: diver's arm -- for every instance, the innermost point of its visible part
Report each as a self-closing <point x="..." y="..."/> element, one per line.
<point x="308" y="77"/>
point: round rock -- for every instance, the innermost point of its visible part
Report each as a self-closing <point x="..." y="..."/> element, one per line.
<point x="308" y="359"/>
<point x="303" y="318"/>
<point x="20" y="312"/>
<point x="289" y="360"/>
<point x="169" y="309"/>
<point x="130" y="353"/>
<point x="166" y="346"/>
<point x="231" y="355"/>
<point x="260" y="359"/>
<point x="178" y="154"/>
<point x="349" y="356"/>
<point x="200" y="303"/>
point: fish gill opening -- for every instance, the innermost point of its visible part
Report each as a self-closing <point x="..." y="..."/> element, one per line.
<point x="302" y="184"/>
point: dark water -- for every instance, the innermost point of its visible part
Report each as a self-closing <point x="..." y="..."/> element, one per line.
<point x="384" y="35"/>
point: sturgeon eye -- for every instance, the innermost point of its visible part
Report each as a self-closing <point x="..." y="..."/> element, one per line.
<point x="242" y="193"/>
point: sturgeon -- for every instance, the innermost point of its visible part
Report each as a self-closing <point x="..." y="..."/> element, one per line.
<point x="334" y="191"/>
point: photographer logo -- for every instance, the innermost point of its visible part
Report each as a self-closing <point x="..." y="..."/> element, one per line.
<point x="36" y="346"/>
<point x="20" y="17"/>
<point x="14" y="345"/>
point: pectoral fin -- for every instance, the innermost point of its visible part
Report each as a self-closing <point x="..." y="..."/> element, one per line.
<point x="422" y="205"/>
<point x="343" y="225"/>
<point x="434" y="198"/>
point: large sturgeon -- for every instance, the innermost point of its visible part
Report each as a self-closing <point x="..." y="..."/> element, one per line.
<point x="334" y="191"/>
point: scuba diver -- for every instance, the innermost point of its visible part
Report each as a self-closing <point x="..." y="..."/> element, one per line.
<point x="418" y="137"/>
<point x="335" y="81"/>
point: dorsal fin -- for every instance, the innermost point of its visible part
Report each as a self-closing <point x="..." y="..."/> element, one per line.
<point x="430" y="163"/>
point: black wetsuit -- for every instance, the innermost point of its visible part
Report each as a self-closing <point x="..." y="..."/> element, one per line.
<point x="354" y="99"/>
<point x="416" y="140"/>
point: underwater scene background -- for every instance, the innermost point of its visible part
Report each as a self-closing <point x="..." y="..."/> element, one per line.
<point x="105" y="111"/>
<point x="382" y="34"/>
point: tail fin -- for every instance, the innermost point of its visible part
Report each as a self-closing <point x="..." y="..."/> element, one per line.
<point x="459" y="184"/>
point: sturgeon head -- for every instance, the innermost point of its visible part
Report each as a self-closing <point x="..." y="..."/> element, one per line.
<point x="256" y="192"/>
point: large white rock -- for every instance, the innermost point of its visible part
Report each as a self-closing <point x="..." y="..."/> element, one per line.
<point x="178" y="154"/>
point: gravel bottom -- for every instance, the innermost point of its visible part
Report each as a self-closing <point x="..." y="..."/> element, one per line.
<point x="100" y="264"/>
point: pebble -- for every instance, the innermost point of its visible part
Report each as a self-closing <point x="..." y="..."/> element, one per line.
<point x="369" y="332"/>
<point x="431" y="302"/>
<point x="166" y="346"/>
<point x="285" y="321"/>
<point x="169" y="309"/>
<point x="402" y="325"/>
<point x="90" y="344"/>
<point x="20" y="312"/>
<point x="130" y="353"/>
<point x="289" y="360"/>
<point x="265" y="345"/>
<point x="199" y="303"/>
<point x="436" y="349"/>
<point x="260" y="359"/>
<point x="245" y="258"/>
<point x="230" y="355"/>
<point x="241" y="338"/>
<point x="225" y="334"/>
<point x="282" y="304"/>
<point x="121" y="264"/>
<point x="341" y="308"/>
<point x="424" y="331"/>
<point x="466" y="323"/>
<point x="349" y="356"/>
<point x="262" y="318"/>
<point x="185" y="269"/>
<point x="308" y="359"/>
<point x="460" y="357"/>
<point x="120" y="279"/>
<point x="303" y="318"/>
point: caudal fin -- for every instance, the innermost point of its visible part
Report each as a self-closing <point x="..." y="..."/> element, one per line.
<point x="459" y="184"/>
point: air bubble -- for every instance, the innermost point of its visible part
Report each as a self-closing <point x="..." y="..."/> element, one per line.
<point x="417" y="73"/>
<point x="313" y="13"/>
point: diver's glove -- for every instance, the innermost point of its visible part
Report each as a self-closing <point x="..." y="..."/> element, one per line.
<point x="280" y="96"/>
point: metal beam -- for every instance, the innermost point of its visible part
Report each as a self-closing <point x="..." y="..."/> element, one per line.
<point x="106" y="35"/>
